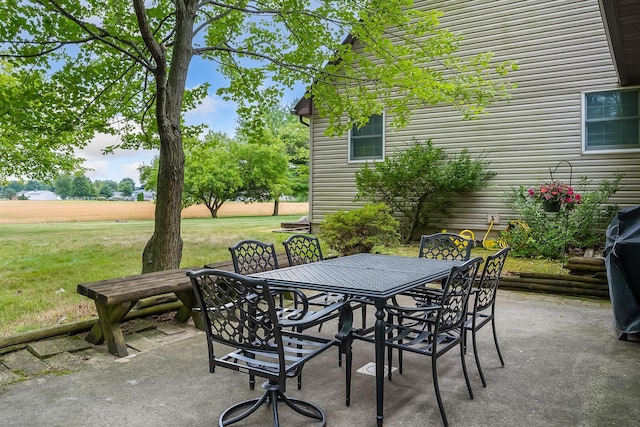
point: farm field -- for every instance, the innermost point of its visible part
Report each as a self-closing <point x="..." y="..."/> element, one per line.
<point x="34" y="211"/>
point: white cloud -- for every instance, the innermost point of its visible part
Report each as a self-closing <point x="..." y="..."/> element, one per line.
<point x="121" y="164"/>
<point x="216" y="113"/>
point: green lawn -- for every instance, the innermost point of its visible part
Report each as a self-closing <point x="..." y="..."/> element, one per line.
<point x="41" y="264"/>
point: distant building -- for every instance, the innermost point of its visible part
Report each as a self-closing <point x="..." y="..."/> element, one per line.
<point x="148" y="195"/>
<point x="38" y="195"/>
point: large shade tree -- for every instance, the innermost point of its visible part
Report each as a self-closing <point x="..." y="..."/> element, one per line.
<point x="121" y="66"/>
<point x="281" y="127"/>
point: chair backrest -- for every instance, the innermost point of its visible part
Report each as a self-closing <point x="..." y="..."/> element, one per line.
<point x="302" y="249"/>
<point x="445" y="246"/>
<point x="252" y="256"/>
<point x="488" y="284"/>
<point x="455" y="295"/>
<point x="237" y="311"/>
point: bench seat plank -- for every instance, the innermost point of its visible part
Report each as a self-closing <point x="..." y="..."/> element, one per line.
<point x="115" y="297"/>
<point x="124" y="289"/>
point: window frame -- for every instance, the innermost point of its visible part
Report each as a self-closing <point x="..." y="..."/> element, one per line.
<point x="350" y="158"/>
<point x="604" y="150"/>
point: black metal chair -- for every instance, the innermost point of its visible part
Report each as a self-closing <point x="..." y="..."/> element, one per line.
<point x="240" y="312"/>
<point x="484" y="307"/>
<point x="253" y="256"/>
<point x="305" y="249"/>
<point x="302" y="249"/>
<point x="432" y="330"/>
<point x="445" y="246"/>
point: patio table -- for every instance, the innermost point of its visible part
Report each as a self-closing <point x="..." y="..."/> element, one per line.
<point x="374" y="277"/>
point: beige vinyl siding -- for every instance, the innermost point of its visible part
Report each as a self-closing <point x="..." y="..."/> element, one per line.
<point x="562" y="51"/>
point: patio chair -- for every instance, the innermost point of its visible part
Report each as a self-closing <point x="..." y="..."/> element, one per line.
<point x="432" y="330"/>
<point x="240" y="312"/>
<point x="445" y="246"/>
<point x="484" y="307"/>
<point x="253" y="256"/>
<point x="305" y="249"/>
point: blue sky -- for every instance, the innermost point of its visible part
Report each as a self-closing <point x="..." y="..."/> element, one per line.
<point x="216" y="113"/>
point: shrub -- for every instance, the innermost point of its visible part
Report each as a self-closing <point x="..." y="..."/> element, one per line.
<point x="546" y="235"/>
<point x="420" y="181"/>
<point x="359" y="230"/>
<point x="140" y="197"/>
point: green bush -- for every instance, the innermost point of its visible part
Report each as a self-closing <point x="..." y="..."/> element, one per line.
<point x="140" y="197"/>
<point x="421" y="181"/>
<point x="546" y="234"/>
<point x="359" y="230"/>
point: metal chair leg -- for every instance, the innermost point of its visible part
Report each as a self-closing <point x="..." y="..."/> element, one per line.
<point x="464" y="370"/>
<point x="495" y="340"/>
<point x="434" y="369"/>
<point x="475" y="354"/>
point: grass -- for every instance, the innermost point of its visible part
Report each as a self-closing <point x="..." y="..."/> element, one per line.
<point x="513" y="264"/>
<point x="42" y="264"/>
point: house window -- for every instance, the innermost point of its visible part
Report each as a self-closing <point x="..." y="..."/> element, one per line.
<point x="367" y="143"/>
<point x="611" y="120"/>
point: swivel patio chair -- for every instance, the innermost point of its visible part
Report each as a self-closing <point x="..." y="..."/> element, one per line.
<point x="432" y="330"/>
<point x="305" y="249"/>
<point x="240" y="312"/>
<point x="252" y="256"/>
<point x="484" y="307"/>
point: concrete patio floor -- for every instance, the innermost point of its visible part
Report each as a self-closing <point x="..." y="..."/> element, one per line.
<point x="564" y="367"/>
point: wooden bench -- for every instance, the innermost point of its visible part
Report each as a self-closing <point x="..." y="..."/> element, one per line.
<point x="114" y="298"/>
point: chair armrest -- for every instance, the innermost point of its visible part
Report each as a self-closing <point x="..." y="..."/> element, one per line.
<point x="400" y="310"/>
<point x="312" y="318"/>
<point x="423" y="297"/>
<point x="346" y="322"/>
<point x="299" y="297"/>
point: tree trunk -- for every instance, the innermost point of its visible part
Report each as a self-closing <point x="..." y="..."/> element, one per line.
<point x="276" y="205"/>
<point x="164" y="250"/>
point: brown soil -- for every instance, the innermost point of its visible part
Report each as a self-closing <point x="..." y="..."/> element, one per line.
<point x="34" y="211"/>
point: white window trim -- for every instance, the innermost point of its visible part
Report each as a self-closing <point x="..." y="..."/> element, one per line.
<point x="583" y="123"/>
<point x="384" y="138"/>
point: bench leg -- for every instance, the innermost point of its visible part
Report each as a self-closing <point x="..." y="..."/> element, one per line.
<point x="108" y="327"/>
<point x="188" y="300"/>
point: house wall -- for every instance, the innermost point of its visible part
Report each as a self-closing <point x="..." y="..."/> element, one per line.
<point x="562" y="50"/>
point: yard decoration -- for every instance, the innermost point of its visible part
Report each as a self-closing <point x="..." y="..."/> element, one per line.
<point x="555" y="195"/>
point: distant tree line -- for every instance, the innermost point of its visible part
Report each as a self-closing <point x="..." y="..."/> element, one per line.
<point x="71" y="186"/>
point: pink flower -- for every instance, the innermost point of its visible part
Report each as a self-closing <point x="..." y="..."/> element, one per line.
<point x="555" y="192"/>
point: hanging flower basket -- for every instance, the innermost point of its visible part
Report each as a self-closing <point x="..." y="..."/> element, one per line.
<point x="554" y="195"/>
<point x="551" y="206"/>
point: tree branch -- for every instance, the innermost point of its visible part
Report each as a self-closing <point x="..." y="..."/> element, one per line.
<point x="157" y="51"/>
<point x="104" y="35"/>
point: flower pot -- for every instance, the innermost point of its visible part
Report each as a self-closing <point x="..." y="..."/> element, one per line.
<point x="551" y="206"/>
